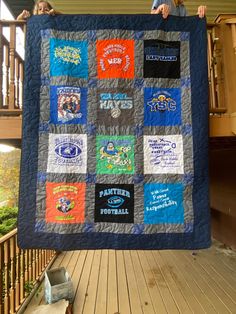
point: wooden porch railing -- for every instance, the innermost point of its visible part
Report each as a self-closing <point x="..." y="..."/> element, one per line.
<point x="11" y="71"/>
<point x="215" y="75"/>
<point x="20" y="271"/>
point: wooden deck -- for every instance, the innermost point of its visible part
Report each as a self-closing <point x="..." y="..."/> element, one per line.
<point x="112" y="282"/>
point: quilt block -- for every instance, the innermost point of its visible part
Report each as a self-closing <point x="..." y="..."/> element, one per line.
<point x="115" y="132"/>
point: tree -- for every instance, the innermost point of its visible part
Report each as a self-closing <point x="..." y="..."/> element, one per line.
<point x="9" y="176"/>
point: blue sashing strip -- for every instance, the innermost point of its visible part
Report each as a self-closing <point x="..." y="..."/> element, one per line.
<point x="138" y="35"/>
<point x="138" y="229"/>
<point x="91" y="178"/>
<point x="187" y="129"/>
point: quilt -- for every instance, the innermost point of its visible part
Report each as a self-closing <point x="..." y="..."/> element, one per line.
<point x="115" y="133"/>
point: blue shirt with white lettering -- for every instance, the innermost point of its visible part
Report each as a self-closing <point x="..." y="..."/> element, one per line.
<point x="178" y="10"/>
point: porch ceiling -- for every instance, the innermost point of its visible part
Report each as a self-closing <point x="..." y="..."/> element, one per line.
<point x="17" y="6"/>
<point x="215" y="7"/>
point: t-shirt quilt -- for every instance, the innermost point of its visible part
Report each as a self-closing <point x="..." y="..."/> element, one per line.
<point x="115" y="132"/>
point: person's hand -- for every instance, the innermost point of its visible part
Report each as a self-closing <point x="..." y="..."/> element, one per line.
<point x="52" y="12"/>
<point x="24" y="15"/>
<point x="164" y="9"/>
<point x="201" y="11"/>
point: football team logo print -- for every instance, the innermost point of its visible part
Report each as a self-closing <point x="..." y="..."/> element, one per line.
<point x="114" y="203"/>
<point x="162" y="106"/>
<point x="115" y="58"/>
<point x="68" y="150"/>
<point x="65" y="202"/>
<point x="67" y="153"/>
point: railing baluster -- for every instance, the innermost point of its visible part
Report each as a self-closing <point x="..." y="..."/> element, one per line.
<point x="43" y="259"/>
<point x="22" y="275"/>
<point x="6" y="74"/>
<point x="2" y="291"/>
<point x="37" y="263"/>
<point x="12" y="275"/>
<point x="27" y="270"/>
<point x="17" y="82"/>
<point x="6" y="277"/>
<point x="21" y="77"/>
<point x="17" y="279"/>
<point x="1" y="72"/>
<point x="12" y="66"/>
<point x="33" y="266"/>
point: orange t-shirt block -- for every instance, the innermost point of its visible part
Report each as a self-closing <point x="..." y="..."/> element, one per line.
<point x="65" y="202"/>
<point x="115" y="58"/>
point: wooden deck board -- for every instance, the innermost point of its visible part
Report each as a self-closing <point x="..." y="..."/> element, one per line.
<point x="112" y="296"/>
<point x="146" y="302"/>
<point x="139" y="282"/>
<point x="162" y="285"/>
<point x="182" y="284"/>
<point x="89" y="306"/>
<point x="135" y="302"/>
<point x="101" y="301"/>
<point x="215" y="282"/>
<point x="194" y="282"/>
<point x="207" y="285"/>
<point x="122" y="287"/>
<point x="151" y="284"/>
<point x="218" y="280"/>
<point x="168" y="273"/>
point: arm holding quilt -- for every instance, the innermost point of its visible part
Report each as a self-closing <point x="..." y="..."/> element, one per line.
<point x="202" y="11"/>
<point x="41" y="7"/>
<point x="176" y="7"/>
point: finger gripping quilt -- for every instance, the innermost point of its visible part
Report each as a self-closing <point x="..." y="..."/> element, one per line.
<point x="115" y="133"/>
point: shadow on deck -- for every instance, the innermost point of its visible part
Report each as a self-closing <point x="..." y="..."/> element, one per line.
<point x="168" y="281"/>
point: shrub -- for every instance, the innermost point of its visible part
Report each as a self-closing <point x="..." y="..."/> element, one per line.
<point x="8" y="219"/>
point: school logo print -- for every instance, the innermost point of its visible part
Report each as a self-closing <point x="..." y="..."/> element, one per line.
<point x="68" y="57"/>
<point x="115" y="107"/>
<point x="161" y="52"/>
<point x="68" y="54"/>
<point x="161" y="59"/>
<point x="115" y="58"/>
<point x="162" y="101"/>
<point x="114" y="203"/>
<point x="162" y="106"/>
